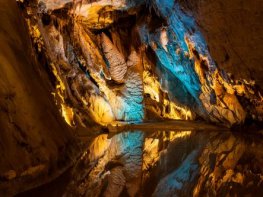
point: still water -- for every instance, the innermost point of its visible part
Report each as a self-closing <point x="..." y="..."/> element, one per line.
<point x="167" y="163"/>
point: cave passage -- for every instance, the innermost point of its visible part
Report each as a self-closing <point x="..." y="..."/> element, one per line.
<point x="109" y="98"/>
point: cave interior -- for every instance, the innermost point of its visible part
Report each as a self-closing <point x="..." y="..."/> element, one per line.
<point x="131" y="98"/>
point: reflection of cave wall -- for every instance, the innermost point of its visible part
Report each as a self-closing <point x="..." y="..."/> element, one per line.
<point x="134" y="61"/>
<point x="167" y="163"/>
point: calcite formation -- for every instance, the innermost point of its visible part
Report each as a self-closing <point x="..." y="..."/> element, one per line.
<point x="73" y="69"/>
<point x="135" y="61"/>
<point x="117" y="64"/>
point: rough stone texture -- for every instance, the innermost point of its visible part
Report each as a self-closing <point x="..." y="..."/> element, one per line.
<point x="185" y="55"/>
<point x="117" y="64"/>
<point x="105" y="60"/>
<point x="234" y="34"/>
<point x="36" y="144"/>
<point x="93" y="62"/>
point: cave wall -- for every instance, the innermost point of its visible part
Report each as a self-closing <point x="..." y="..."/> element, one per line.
<point x="233" y="32"/>
<point x="97" y="62"/>
<point x="137" y="61"/>
<point x="182" y="49"/>
<point x="36" y="144"/>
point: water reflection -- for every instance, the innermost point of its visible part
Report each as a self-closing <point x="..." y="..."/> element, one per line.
<point x="168" y="163"/>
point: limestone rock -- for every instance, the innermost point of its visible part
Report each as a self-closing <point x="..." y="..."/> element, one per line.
<point x="118" y="66"/>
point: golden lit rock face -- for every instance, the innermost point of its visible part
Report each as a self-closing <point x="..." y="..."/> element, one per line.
<point x="36" y="143"/>
<point x="117" y="61"/>
<point x="96" y="63"/>
<point x="67" y="114"/>
<point x="95" y="16"/>
<point x="101" y="110"/>
<point x="93" y="82"/>
<point x="225" y="90"/>
<point x="226" y="104"/>
<point x="151" y="86"/>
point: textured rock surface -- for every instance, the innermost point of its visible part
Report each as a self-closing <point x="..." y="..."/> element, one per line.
<point x="148" y="61"/>
<point x="100" y="61"/>
<point x="118" y="66"/>
<point x="35" y="142"/>
<point x="234" y="35"/>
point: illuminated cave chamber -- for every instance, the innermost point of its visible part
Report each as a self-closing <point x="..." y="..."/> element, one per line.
<point x="134" y="61"/>
<point x="83" y="66"/>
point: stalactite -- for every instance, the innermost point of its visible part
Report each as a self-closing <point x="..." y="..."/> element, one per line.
<point x="117" y="64"/>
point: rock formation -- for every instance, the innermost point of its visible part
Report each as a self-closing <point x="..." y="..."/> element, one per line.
<point x="36" y="143"/>
<point x="156" y="41"/>
<point x="70" y="67"/>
